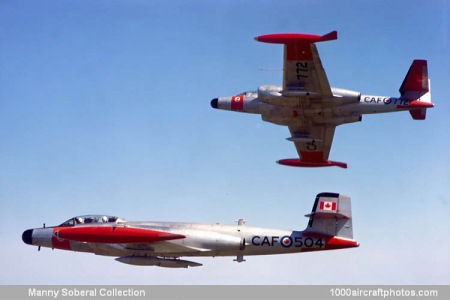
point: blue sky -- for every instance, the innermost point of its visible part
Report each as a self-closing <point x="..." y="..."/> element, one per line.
<point x="104" y="108"/>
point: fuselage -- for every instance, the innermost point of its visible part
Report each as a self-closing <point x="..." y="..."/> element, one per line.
<point x="163" y="243"/>
<point x="200" y="240"/>
<point x="285" y="109"/>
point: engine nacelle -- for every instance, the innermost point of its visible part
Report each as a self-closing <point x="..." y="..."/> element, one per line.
<point x="342" y="96"/>
<point x="274" y="95"/>
<point x="213" y="240"/>
<point x="269" y="92"/>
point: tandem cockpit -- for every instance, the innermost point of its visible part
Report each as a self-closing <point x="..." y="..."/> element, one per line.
<point x="92" y="219"/>
<point x="249" y="94"/>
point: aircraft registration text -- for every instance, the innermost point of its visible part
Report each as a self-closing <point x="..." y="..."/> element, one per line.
<point x="385" y="100"/>
<point x="288" y="241"/>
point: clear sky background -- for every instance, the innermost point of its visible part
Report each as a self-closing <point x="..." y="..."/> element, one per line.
<point x="105" y="108"/>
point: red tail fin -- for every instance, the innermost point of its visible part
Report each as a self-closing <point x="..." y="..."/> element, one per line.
<point x="416" y="80"/>
<point x="416" y="88"/>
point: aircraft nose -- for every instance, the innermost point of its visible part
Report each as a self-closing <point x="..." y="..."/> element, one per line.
<point x="26" y="236"/>
<point x="215" y="103"/>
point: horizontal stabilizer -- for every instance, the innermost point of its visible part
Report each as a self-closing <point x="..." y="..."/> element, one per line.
<point x="418" y="114"/>
<point x="327" y="215"/>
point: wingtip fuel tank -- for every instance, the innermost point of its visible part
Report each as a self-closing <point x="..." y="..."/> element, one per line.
<point x="156" y="261"/>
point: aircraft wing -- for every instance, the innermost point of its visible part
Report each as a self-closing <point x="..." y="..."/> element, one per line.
<point x="313" y="144"/>
<point x="303" y="71"/>
<point x="303" y="74"/>
<point x="304" y="79"/>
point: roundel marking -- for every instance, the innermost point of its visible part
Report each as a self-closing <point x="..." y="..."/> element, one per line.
<point x="56" y="234"/>
<point x="286" y="241"/>
<point x="237" y="103"/>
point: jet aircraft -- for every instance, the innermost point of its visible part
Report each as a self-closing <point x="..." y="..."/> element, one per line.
<point x="311" y="108"/>
<point x="163" y="243"/>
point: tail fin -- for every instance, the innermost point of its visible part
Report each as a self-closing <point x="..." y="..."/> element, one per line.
<point x="331" y="215"/>
<point x="416" y="88"/>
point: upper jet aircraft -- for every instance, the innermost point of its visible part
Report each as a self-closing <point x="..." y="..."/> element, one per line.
<point x="311" y="108"/>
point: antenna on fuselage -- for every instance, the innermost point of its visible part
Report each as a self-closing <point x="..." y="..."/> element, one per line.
<point x="270" y="69"/>
<point x="241" y="222"/>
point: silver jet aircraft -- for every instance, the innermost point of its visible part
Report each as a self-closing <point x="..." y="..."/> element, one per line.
<point x="163" y="243"/>
<point x="311" y="108"/>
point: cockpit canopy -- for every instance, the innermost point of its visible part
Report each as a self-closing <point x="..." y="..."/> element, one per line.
<point x="89" y="219"/>
<point x="249" y="94"/>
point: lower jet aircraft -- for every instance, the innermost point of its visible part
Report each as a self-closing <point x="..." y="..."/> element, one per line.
<point x="162" y="243"/>
<point x="311" y="108"/>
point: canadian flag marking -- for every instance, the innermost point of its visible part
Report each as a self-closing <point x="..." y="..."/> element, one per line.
<point x="328" y="205"/>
